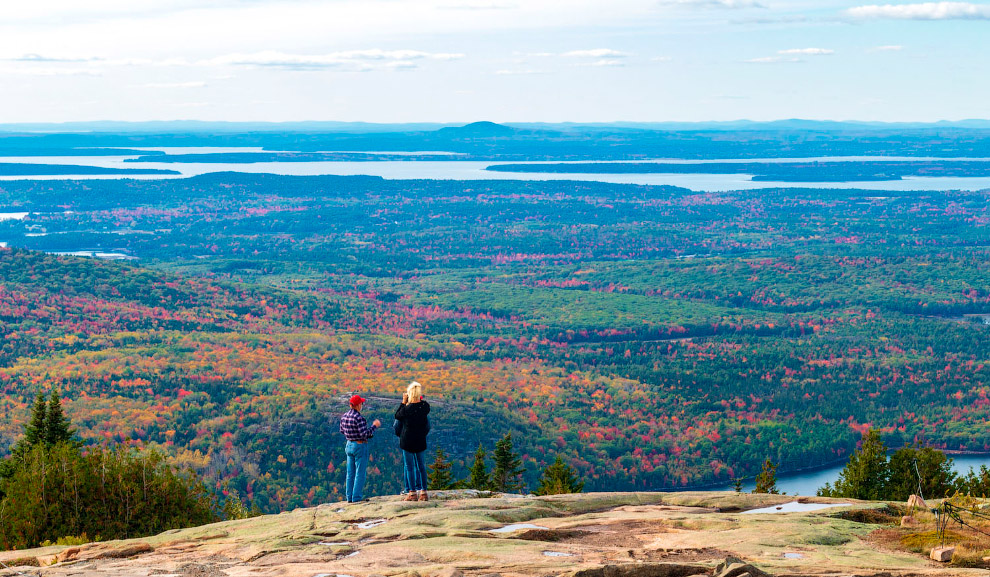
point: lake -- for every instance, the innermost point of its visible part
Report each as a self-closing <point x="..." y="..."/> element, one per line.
<point x="808" y="482"/>
<point x="475" y="170"/>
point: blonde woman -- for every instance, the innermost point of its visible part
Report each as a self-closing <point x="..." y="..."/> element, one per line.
<point x="412" y="413"/>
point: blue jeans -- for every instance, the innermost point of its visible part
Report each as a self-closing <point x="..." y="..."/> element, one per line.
<point x="357" y="470"/>
<point x="414" y="469"/>
<point x="406" y="485"/>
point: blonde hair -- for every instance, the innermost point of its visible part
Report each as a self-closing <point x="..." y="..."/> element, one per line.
<point x="414" y="391"/>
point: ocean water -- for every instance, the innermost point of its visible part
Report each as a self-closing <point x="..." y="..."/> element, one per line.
<point x="475" y="170"/>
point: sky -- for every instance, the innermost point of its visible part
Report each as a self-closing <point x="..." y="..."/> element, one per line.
<point x="496" y="60"/>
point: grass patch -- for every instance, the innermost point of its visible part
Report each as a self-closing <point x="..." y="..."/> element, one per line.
<point x="886" y="515"/>
<point x="826" y="539"/>
<point x="924" y="542"/>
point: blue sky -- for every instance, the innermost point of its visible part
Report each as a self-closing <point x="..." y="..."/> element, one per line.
<point x="500" y="60"/>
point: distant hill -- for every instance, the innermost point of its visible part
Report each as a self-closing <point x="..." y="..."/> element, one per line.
<point x="479" y="129"/>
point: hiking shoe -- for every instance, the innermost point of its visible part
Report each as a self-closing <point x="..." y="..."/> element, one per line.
<point x="411" y="497"/>
<point x="423" y="496"/>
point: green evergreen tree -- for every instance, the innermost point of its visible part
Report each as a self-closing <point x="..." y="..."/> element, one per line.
<point x="559" y="478"/>
<point x="441" y="476"/>
<point x="479" y="478"/>
<point x="59" y="492"/>
<point x="34" y="430"/>
<point x="907" y="464"/>
<point x="866" y="475"/>
<point x="737" y="484"/>
<point x="57" y="427"/>
<point x="508" y="469"/>
<point x="766" y="481"/>
<point x="975" y="483"/>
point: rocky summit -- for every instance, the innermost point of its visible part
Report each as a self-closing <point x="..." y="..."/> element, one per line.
<point x="466" y="533"/>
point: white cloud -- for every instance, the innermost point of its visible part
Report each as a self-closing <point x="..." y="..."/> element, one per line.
<point x="517" y="72"/>
<point x="50" y="71"/>
<point x="807" y="51"/>
<point x="771" y="60"/>
<point x="923" y="11"/>
<point x="478" y="6"/>
<point x="175" y="85"/>
<point x="606" y="63"/>
<point x="43" y="58"/>
<point x="717" y="4"/>
<point x="596" y="53"/>
<point x="355" y="59"/>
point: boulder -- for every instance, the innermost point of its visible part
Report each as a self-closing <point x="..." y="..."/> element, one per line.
<point x="724" y="564"/>
<point x="942" y="554"/>
<point x="740" y="569"/>
<point x="908" y="521"/>
<point x="69" y="554"/>
<point x="916" y="501"/>
<point x="123" y="552"/>
<point x="449" y="572"/>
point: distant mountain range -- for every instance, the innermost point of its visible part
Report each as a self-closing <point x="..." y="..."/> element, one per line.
<point x="198" y="126"/>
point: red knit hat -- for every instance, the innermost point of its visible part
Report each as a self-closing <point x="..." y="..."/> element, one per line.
<point x="357" y="400"/>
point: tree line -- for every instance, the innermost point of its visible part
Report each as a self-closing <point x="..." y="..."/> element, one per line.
<point x="53" y="488"/>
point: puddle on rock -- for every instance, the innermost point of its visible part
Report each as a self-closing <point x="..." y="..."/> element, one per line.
<point x="516" y="527"/>
<point x="793" y="556"/>
<point x="371" y="524"/>
<point x="794" y="507"/>
<point x="557" y="554"/>
<point x="334" y="543"/>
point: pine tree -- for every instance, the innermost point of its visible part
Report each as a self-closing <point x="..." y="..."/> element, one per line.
<point x="479" y="472"/>
<point x="737" y="484"/>
<point x="508" y="470"/>
<point x="920" y="470"/>
<point x="867" y="474"/>
<point x="34" y="431"/>
<point x="440" y="477"/>
<point x="766" y="481"/>
<point x="57" y="427"/>
<point x="559" y="478"/>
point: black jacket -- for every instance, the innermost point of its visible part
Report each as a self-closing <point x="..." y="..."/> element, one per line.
<point x="413" y="417"/>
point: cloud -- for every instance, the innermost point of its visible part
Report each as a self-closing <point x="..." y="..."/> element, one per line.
<point x="772" y="60"/>
<point x="42" y="58"/>
<point x="606" y="63"/>
<point x="807" y="51"/>
<point x="713" y="4"/>
<point x="923" y="11"/>
<point x="353" y="59"/>
<point x="195" y="84"/>
<point x="518" y="72"/>
<point x="50" y="71"/>
<point x="596" y="53"/>
<point x="478" y="6"/>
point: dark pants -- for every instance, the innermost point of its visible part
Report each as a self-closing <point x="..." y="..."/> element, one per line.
<point x="414" y="469"/>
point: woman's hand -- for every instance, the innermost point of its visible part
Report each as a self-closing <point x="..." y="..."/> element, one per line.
<point x="405" y="398"/>
<point x="377" y="423"/>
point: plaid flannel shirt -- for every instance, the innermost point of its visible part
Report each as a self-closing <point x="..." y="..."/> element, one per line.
<point x="355" y="427"/>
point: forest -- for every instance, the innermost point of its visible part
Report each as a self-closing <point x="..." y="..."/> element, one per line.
<point x="653" y="337"/>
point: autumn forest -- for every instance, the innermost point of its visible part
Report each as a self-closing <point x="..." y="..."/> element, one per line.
<point x="653" y="337"/>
